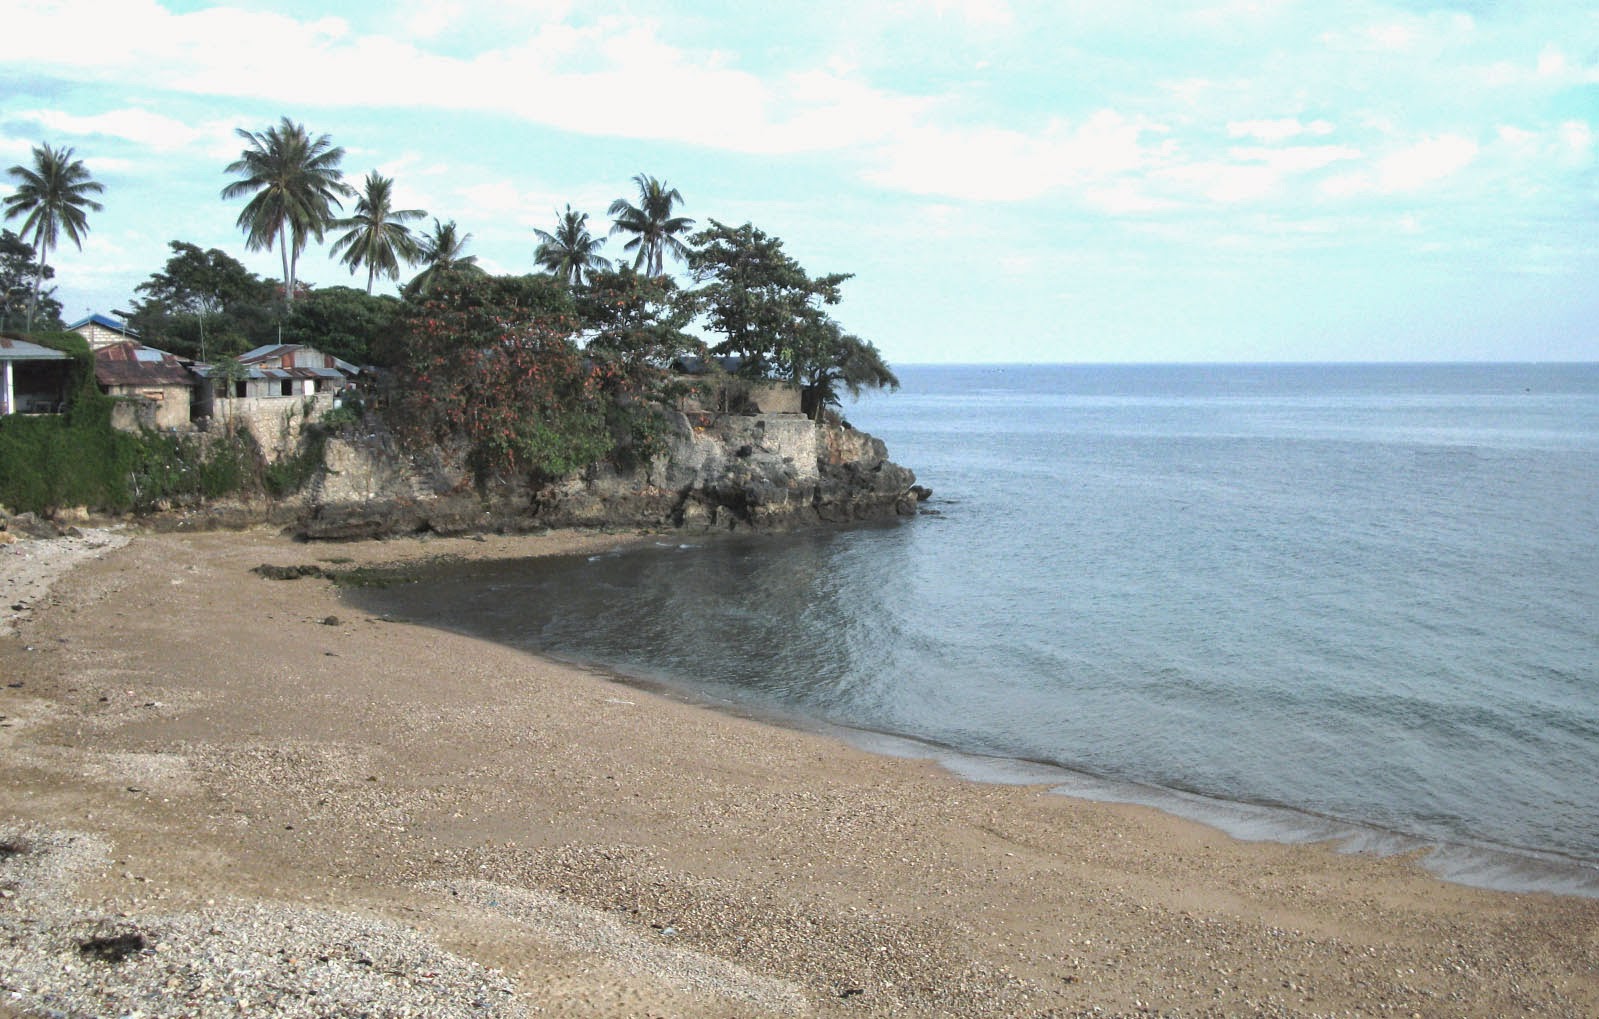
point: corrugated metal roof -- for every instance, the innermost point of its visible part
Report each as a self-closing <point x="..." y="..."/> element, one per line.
<point x="274" y="351"/>
<point x="211" y="371"/>
<point x="21" y="350"/>
<point x="105" y="321"/>
<point x="262" y="353"/>
<point x="295" y="373"/>
<point x="132" y="364"/>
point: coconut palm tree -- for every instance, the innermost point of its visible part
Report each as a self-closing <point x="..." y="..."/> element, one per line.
<point x="53" y="195"/>
<point x="377" y="236"/>
<point x="441" y="250"/>
<point x="296" y="183"/>
<point x="652" y="225"/>
<point x="570" y="250"/>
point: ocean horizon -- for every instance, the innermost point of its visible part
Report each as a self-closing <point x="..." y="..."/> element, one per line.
<point x="1307" y="601"/>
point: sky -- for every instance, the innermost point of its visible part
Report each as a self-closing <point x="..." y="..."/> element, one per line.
<point x="1008" y="181"/>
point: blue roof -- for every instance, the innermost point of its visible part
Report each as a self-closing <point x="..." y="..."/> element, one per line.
<point x="106" y="321"/>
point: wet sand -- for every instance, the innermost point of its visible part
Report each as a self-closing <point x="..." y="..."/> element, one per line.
<point x="299" y="806"/>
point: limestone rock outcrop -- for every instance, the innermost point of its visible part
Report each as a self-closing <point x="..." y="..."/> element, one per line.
<point x="718" y="472"/>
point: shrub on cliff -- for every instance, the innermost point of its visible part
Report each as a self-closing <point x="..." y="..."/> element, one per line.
<point x="491" y="363"/>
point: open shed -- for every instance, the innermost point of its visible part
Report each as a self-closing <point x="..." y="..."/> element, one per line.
<point x="35" y="377"/>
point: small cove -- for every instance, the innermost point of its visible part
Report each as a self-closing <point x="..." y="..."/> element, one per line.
<point x="1294" y="602"/>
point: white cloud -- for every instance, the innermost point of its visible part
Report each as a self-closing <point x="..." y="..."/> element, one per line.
<point x="1395" y="36"/>
<point x="1226" y="183"/>
<point x="1425" y="162"/>
<point x="492" y="201"/>
<point x="428" y="18"/>
<point x="1295" y="158"/>
<point x="976" y="12"/>
<point x="1124" y="198"/>
<point x="1577" y="137"/>
<point x="1277" y="130"/>
<point x="1552" y="63"/>
<point x="991" y="164"/>
<point x="1408" y="169"/>
<point x="152" y="130"/>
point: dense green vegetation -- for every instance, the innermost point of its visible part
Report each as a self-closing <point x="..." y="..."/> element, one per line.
<point x="535" y="375"/>
<point x="21" y="277"/>
<point x="77" y="459"/>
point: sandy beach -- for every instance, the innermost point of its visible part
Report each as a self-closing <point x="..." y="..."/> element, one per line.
<point x="229" y="795"/>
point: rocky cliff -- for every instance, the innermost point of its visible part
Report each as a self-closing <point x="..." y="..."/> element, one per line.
<point x="718" y="472"/>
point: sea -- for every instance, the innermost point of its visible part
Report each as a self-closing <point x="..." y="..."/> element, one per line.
<point x="1345" y="602"/>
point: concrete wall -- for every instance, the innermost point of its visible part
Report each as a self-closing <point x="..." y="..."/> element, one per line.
<point x="99" y="336"/>
<point x="731" y="395"/>
<point x="140" y="405"/>
<point x="275" y="421"/>
<point x="269" y="389"/>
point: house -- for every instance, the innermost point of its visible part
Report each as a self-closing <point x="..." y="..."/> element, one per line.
<point x="290" y="369"/>
<point x="34" y="377"/>
<point x="275" y="391"/>
<point x="158" y="384"/>
<point x="102" y="330"/>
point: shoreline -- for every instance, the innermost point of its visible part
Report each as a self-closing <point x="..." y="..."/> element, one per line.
<point x="506" y="821"/>
<point x="1478" y="864"/>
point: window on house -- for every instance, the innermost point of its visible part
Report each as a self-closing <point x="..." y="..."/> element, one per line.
<point x="286" y="387"/>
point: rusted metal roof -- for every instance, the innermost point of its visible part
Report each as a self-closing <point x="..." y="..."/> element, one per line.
<point x="293" y="353"/>
<point x="131" y="364"/>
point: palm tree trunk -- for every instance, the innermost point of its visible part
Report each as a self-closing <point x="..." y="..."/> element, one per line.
<point x="38" y="280"/>
<point x="288" y="271"/>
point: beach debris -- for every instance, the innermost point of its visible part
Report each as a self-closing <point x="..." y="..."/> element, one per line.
<point x="271" y="572"/>
<point x="113" y="948"/>
<point x="332" y="621"/>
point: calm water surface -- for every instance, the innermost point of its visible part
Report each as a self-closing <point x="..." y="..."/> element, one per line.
<point x="1295" y="601"/>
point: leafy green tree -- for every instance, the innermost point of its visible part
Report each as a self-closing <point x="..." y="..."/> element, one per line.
<point x="443" y="251"/>
<point x="770" y="312"/>
<point x="637" y="324"/>
<point x="377" y="236"/>
<point x="295" y="183"/>
<point x="655" y="230"/>
<point x="757" y="297"/>
<point x="52" y="195"/>
<point x="489" y="364"/>
<point x="203" y="303"/>
<point x="19" y="276"/>
<point x="824" y="359"/>
<point x="342" y="321"/>
<point x="570" y="251"/>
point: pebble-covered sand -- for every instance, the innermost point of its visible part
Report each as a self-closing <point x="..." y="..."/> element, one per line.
<point x="227" y="795"/>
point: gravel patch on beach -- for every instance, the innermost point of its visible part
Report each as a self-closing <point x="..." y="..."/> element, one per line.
<point x="29" y="567"/>
<point x="589" y="930"/>
<point x="60" y="960"/>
